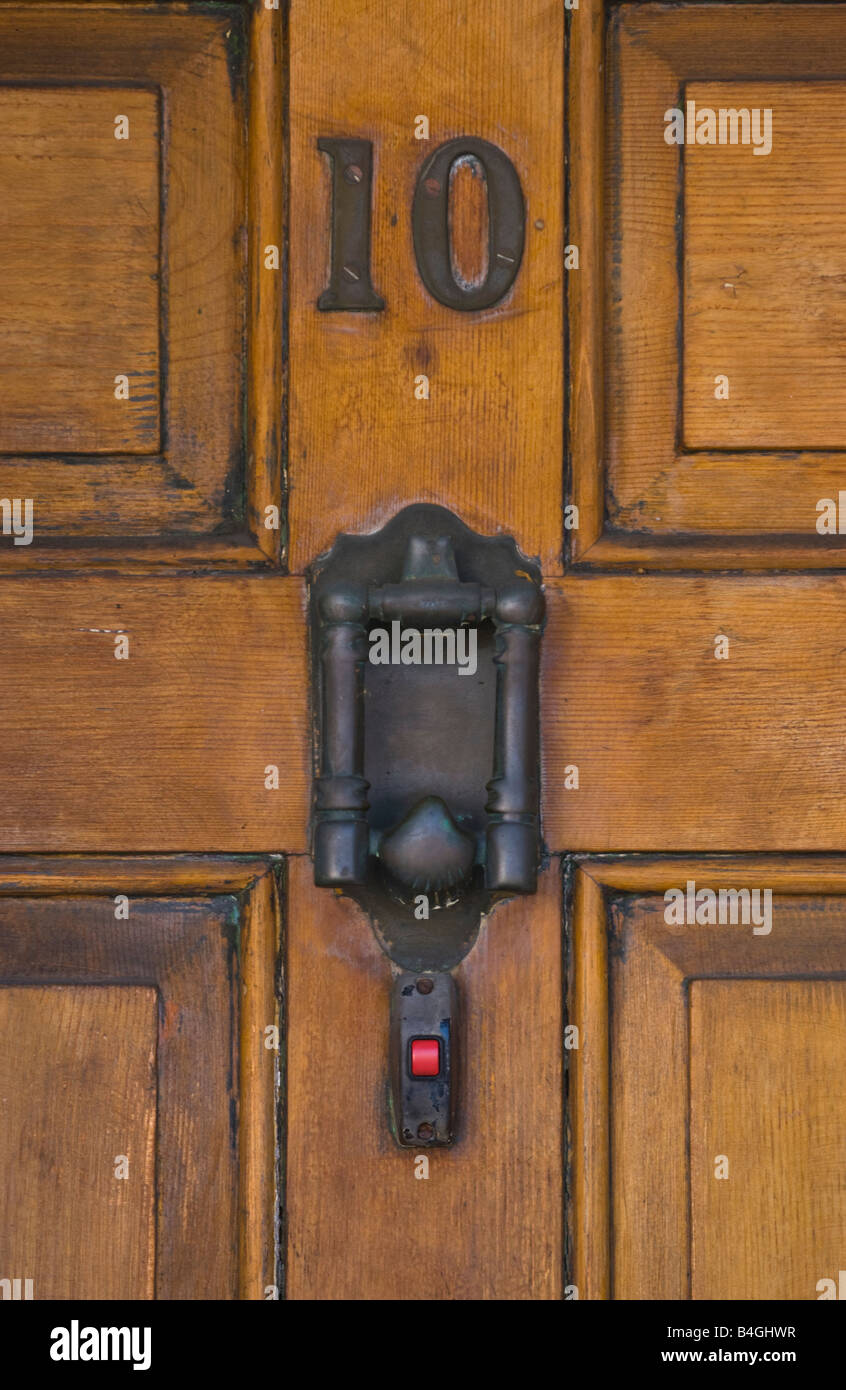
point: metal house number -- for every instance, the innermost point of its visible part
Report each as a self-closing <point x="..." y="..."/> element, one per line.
<point x="350" y="286"/>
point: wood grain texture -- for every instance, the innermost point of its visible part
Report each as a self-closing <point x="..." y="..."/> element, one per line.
<point x="767" y="1063"/>
<point x="77" y="1091"/>
<point x="589" y="1210"/>
<point x="586" y="286"/>
<point x="79" y="240"/>
<point x="765" y="284"/>
<point x="144" y="875"/>
<point x="166" y="750"/>
<point x="232" y="552"/>
<point x="267" y="229"/>
<point x="194" y="61"/>
<point x="487" y="1222"/>
<point x="648" y="1050"/>
<point x="361" y="446"/>
<point x="258" y="1136"/>
<point x="678" y="750"/>
<point x="744" y="495"/>
<point x="195" y="1080"/>
<point x="639" y="1018"/>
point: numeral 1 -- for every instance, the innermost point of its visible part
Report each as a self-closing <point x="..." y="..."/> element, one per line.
<point x="350" y="286"/>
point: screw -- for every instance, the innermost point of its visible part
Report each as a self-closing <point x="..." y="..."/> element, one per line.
<point x="353" y="174"/>
<point x="540" y="224"/>
<point x="425" y="986"/>
<point x="350" y="273"/>
<point x="425" y="1132"/>
<point x="432" y="187"/>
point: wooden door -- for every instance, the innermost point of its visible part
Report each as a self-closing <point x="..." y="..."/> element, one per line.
<point x="195" y="1037"/>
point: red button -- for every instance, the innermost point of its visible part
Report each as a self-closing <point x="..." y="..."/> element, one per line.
<point x="425" y="1057"/>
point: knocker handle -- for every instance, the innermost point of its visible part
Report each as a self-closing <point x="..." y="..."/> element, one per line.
<point x="429" y="847"/>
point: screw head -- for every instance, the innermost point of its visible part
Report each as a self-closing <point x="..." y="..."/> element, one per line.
<point x="425" y="986"/>
<point x="425" y="1132"/>
<point x="353" y="174"/>
<point x="432" y="187"/>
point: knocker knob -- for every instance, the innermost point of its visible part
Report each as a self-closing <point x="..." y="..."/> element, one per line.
<point x="427" y="851"/>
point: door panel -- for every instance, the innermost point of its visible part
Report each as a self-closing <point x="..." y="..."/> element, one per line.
<point x="94" y="265"/>
<point x="767" y="1055"/>
<point x="129" y="306"/>
<point x="137" y="1087"/>
<point x="707" y="1114"/>
<point x="779" y="344"/>
<point x="64" y="1141"/>
<point x="742" y="256"/>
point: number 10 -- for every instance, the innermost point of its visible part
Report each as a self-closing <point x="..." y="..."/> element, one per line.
<point x="350" y="285"/>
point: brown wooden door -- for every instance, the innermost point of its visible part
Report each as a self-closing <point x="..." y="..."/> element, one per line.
<point x="194" y="1036"/>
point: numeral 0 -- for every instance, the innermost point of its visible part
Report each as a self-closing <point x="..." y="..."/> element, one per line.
<point x="350" y="285"/>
